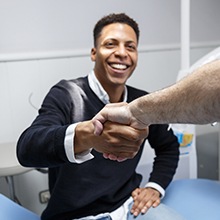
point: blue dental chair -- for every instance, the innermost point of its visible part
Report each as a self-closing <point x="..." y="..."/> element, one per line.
<point x="194" y="199"/>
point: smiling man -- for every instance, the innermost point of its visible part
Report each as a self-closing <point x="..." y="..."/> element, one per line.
<point x="83" y="184"/>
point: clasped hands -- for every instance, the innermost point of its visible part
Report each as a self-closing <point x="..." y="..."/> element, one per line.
<point x="131" y="131"/>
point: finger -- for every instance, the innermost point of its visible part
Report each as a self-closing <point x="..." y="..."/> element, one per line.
<point x="110" y="156"/>
<point x="98" y="127"/>
<point x="135" y="193"/>
<point x="128" y="133"/>
<point x="101" y="117"/>
<point x="105" y="155"/>
<point x="120" y="156"/>
<point x="121" y="159"/>
<point x="149" y="204"/>
<point x="156" y="203"/>
<point x="144" y="209"/>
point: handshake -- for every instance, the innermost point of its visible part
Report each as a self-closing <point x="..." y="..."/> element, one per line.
<point x="128" y="133"/>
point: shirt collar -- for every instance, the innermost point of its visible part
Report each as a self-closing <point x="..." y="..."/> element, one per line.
<point x="97" y="88"/>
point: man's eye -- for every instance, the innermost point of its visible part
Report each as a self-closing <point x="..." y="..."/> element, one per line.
<point x="109" y="44"/>
<point x="131" y="47"/>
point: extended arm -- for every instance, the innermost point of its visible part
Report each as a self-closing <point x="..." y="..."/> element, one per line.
<point x="195" y="99"/>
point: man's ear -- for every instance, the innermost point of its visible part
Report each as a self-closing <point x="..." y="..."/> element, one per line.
<point x="93" y="54"/>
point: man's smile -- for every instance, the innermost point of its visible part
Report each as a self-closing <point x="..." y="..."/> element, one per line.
<point x="118" y="66"/>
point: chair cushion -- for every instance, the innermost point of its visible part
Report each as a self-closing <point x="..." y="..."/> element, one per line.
<point x="194" y="199"/>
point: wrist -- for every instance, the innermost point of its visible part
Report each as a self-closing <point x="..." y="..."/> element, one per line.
<point x="82" y="141"/>
<point x="138" y="115"/>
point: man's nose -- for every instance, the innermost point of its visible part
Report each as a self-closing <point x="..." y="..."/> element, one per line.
<point x="121" y="51"/>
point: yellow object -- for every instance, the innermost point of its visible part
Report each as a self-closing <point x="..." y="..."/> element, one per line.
<point x="186" y="139"/>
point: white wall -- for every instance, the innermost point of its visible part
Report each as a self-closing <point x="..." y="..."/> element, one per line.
<point x="61" y="31"/>
<point x="42" y="25"/>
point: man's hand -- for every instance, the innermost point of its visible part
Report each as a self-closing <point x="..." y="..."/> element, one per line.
<point x="116" y="112"/>
<point x="119" y="140"/>
<point x="144" y="198"/>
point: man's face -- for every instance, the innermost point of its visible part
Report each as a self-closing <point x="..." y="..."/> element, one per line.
<point x="115" y="55"/>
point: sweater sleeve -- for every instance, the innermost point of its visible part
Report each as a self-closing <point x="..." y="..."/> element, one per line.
<point x="166" y="147"/>
<point x="42" y="144"/>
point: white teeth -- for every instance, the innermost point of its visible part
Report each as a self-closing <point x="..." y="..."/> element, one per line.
<point x="119" y="66"/>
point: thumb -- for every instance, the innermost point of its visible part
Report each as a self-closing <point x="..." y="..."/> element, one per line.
<point x="98" y="127"/>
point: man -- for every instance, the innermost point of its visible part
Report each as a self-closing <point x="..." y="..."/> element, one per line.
<point x="83" y="184"/>
<point x="195" y="99"/>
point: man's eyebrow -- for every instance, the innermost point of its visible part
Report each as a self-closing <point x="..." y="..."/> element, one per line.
<point x="131" y="41"/>
<point x="115" y="39"/>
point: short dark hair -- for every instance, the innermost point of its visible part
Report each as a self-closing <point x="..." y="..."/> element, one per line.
<point x="111" y="19"/>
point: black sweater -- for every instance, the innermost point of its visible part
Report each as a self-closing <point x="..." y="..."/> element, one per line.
<point x="98" y="185"/>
